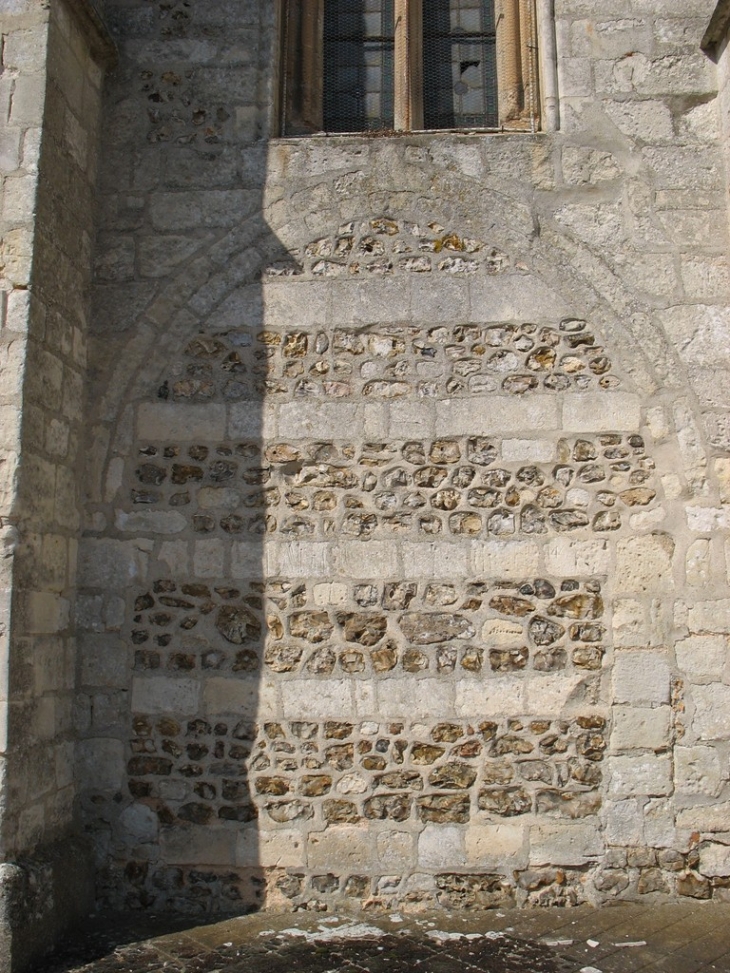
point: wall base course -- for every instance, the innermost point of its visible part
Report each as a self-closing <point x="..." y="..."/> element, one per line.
<point x="42" y="897"/>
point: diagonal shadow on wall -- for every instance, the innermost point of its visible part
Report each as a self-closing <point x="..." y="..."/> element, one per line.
<point x="171" y="621"/>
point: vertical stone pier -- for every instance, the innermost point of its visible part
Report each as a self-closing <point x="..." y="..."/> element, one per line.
<point x="50" y="92"/>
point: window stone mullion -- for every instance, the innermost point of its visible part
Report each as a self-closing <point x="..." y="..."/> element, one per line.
<point x="509" y="61"/>
<point x="408" y="65"/>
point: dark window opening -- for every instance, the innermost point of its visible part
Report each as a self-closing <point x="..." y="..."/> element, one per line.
<point x="459" y="64"/>
<point x="383" y="65"/>
<point x="359" y="43"/>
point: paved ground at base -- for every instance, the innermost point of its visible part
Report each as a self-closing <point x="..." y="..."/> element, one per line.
<point x="624" y="938"/>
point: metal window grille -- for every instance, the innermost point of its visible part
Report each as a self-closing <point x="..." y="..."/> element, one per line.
<point x="459" y="64"/>
<point x="358" y="65"/>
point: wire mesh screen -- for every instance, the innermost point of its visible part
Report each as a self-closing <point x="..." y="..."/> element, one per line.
<point x="358" y="65"/>
<point x="459" y="64"/>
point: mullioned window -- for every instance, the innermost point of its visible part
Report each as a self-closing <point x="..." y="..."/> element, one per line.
<point x="410" y="65"/>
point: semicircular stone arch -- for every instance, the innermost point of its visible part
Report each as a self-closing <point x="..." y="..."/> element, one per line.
<point x="387" y="508"/>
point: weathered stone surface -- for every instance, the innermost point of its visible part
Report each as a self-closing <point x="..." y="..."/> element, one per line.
<point x="362" y="628"/>
<point x="641" y="677"/>
<point x="698" y="770"/>
<point x="423" y="753"/>
<point x="433" y="627"/>
<point x="437" y="809"/>
<point x="631" y="776"/>
<point x="396" y="807"/>
<point x="311" y="626"/>
<point x="566" y="804"/>
<point x="714" y="860"/>
<point x="282" y="658"/>
<point x="453" y="776"/>
<point x="569" y="844"/>
<point x="417" y="501"/>
<point x="545" y="632"/>
<point x="506" y="802"/>
<point x="508" y="660"/>
<point x="712" y="719"/>
<point x="693" y="886"/>
<point x="237" y="624"/>
<point x="576" y="606"/>
<point x="636" y="727"/>
<point x="507" y="605"/>
<point x="645" y="563"/>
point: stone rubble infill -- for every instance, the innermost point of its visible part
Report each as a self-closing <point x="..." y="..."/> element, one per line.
<point x="416" y="488"/>
<point x="333" y="932"/>
<point x="390" y="361"/>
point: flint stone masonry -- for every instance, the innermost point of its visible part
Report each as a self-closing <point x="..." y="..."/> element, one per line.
<point x="376" y="628"/>
<point x="364" y="500"/>
<point x="388" y="466"/>
<point x="452" y="486"/>
<point x="336" y="774"/>
<point x="377" y="362"/>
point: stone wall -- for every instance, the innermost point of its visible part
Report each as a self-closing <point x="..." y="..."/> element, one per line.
<point x="404" y="571"/>
<point x="51" y="83"/>
<point x="23" y="86"/>
<point x="715" y="43"/>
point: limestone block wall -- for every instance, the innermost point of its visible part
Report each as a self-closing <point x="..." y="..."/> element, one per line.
<point x="23" y="84"/>
<point x="404" y="573"/>
<point x="715" y="42"/>
<point x="51" y="82"/>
